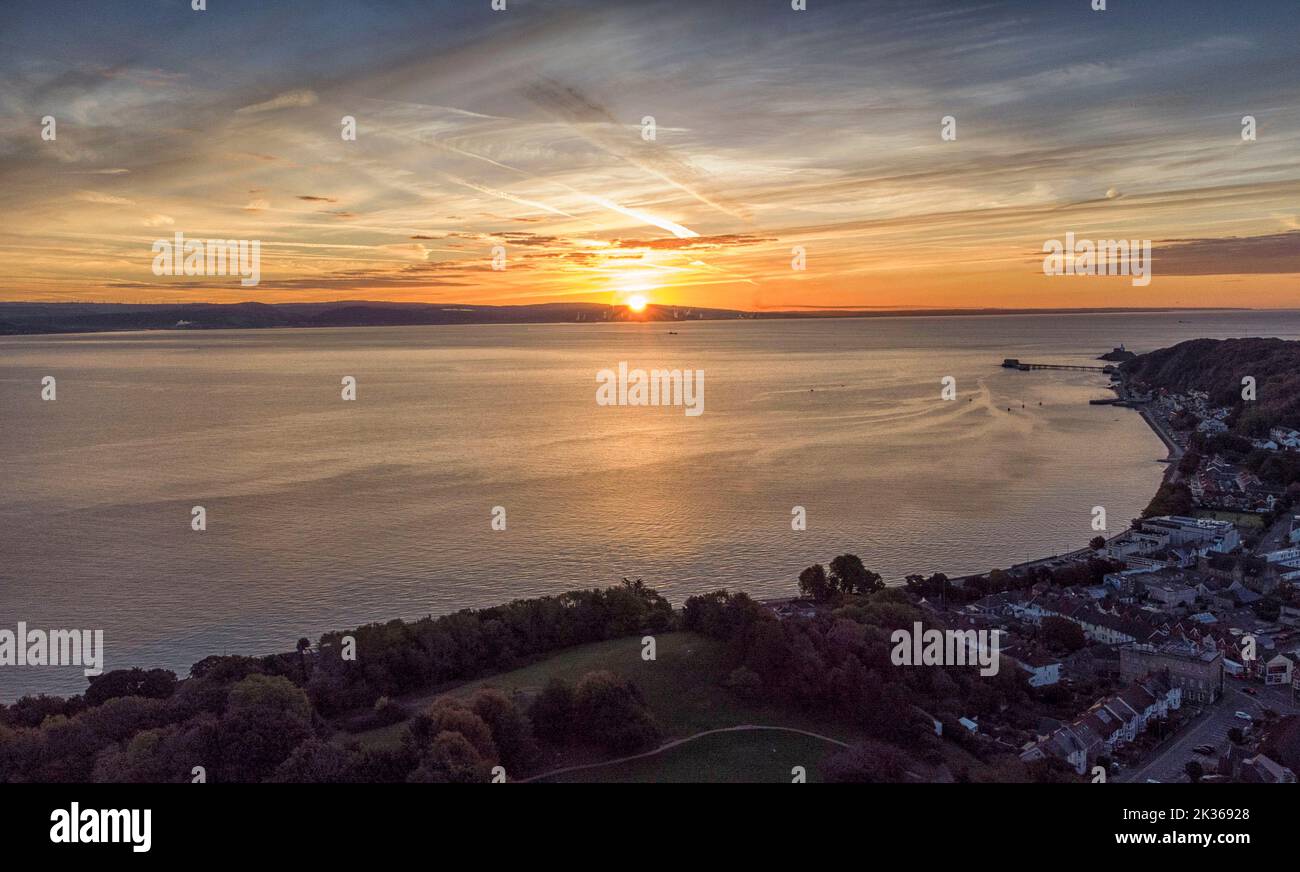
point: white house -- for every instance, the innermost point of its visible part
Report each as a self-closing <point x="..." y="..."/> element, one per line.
<point x="1278" y="670"/>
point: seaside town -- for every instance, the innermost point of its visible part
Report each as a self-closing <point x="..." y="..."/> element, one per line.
<point x="1170" y="651"/>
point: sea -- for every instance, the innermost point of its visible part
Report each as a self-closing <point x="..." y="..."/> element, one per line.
<point x="475" y="466"/>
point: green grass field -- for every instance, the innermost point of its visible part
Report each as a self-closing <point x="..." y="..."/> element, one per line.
<point x="1242" y="519"/>
<point x="725" y="757"/>
<point x="680" y="686"/>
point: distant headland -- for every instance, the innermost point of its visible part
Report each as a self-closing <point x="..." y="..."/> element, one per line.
<point x="20" y="318"/>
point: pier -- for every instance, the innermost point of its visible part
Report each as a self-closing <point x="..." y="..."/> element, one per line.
<point x="1013" y="363"/>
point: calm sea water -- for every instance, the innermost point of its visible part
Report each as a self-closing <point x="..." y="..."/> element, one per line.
<point x="324" y="514"/>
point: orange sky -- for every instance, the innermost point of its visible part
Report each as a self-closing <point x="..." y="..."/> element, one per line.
<point x="538" y="141"/>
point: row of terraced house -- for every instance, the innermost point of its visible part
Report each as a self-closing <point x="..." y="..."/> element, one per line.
<point x="1109" y="724"/>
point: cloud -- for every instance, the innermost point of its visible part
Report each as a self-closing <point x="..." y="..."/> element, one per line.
<point x="287" y="100"/>
<point x="720" y="241"/>
<point x="103" y="199"/>
<point x="598" y="125"/>
<point x="159" y="220"/>
<point x="1232" y="255"/>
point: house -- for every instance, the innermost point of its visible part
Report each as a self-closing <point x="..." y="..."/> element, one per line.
<point x="1196" y="671"/>
<point x="1279" y="670"/>
<point x="1285" y="562"/>
<point x="1254" y="572"/>
<point x="1110" y="728"/>
<point x="1285" y="437"/>
<point x="1108" y="724"/>
<point x="1064" y="744"/>
<point x="1212" y="426"/>
<point x="1289" y="616"/>
<point x="1166" y="591"/>
<point x="1263" y="770"/>
<point x="995" y="604"/>
<point x="1043" y="669"/>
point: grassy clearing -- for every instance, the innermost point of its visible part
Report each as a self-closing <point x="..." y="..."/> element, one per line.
<point x="1241" y="519"/>
<point x="723" y="757"/>
<point x="681" y="686"/>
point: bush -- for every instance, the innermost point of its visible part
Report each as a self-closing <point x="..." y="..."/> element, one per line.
<point x="153" y="683"/>
<point x="511" y="732"/>
<point x="612" y="713"/>
<point x="552" y="713"/>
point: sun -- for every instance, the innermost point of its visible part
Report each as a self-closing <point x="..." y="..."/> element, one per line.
<point x="637" y="303"/>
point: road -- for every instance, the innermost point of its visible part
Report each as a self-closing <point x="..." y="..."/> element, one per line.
<point x="1275" y="538"/>
<point x="1211" y="728"/>
<point x="1175" y="453"/>
<point x="673" y="744"/>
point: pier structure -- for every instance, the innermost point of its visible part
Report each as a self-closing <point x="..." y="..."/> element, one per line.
<point x="1013" y="363"/>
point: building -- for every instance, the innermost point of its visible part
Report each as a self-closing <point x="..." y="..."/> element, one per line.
<point x="1169" y="592"/>
<point x="1108" y="724"/>
<point x="1043" y="669"/>
<point x="1198" y="673"/>
<point x="1289" y="616"/>
<point x="1172" y="540"/>
<point x="1264" y="770"/>
<point x="1176" y="530"/>
<point x="1285" y="437"/>
<point x="1278" y="670"/>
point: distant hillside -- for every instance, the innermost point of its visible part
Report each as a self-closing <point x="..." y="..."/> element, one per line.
<point x="17" y="318"/>
<point x="1217" y="366"/>
<point x="30" y="318"/>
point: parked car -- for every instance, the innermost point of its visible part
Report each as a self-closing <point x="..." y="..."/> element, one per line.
<point x="1207" y="750"/>
<point x="1242" y="716"/>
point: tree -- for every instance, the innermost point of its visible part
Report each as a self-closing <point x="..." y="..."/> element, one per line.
<point x="1195" y="771"/>
<point x="552" y="713"/>
<point x="872" y="762"/>
<point x="319" y="762"/>
<point x="511" y="732"/>
<point x="448" y="715"/>
<point x="266" y="718"/>
<point x="452" y="759"/>
<point x="153" y="683"/>
<point x="611" y="712"/>
<point x="303" y="645"/>
<point x="1063" y="635"/>
<point x="848" y="575"/>
<point x="813" y="583"/>
<point x="1096" y="543"/>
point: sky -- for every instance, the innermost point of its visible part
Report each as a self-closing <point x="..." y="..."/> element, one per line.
<point x="691" y="153"/>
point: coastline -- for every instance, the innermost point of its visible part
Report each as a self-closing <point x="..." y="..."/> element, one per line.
<point x="1174" y="453"/>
